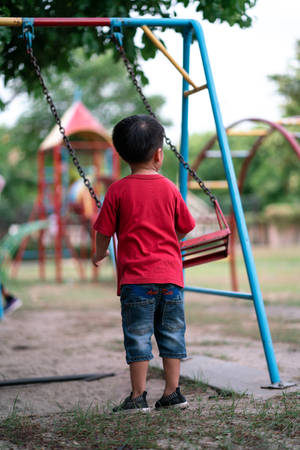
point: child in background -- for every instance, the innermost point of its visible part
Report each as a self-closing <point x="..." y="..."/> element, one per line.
<point x="149" y="216"/>
<point x="11" y="302"/>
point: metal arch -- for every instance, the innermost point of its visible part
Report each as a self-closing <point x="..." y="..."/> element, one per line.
<point x="242" y="175"/>
<point x="285" y="133"/>
<point x="275" y="126"/>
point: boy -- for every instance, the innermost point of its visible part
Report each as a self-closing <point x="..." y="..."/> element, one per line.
<point x="149" y="217"/>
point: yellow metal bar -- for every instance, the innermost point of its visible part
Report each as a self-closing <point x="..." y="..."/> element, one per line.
<point x="160" y="47"/>
<point x="289" y="120"/>
<point x="258" y="132"/>
<point x="10" y="21"/>
<point x="193" y="91"/>
<point x="212" y="184"/>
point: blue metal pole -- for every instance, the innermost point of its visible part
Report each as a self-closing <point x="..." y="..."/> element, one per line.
<point x="184" y="146"/>
<point x="238" y="212"/>
<point x="1" y="304"/>
<point x="155" y="22"/>
<point x="231" y="294"/>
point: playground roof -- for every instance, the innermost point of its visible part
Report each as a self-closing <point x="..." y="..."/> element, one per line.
<point x="76" y="120"/>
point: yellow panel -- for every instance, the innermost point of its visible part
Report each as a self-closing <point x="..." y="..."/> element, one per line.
<point x="258" y="132"/>
<point x="211" y="184"/>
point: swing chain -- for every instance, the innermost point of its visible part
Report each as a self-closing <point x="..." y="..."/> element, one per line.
<point x="168" y="141"/>
<point x="66" y="140"/>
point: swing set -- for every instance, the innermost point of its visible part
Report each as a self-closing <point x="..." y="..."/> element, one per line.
<point x="211" y="246"/>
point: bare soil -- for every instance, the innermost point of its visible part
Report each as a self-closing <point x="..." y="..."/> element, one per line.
<point x="51" y="340"/>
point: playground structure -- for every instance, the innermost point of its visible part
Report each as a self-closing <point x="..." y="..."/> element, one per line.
<point x="68" y="205"/>
<point x="261" y="134"/>
<point x="187" y="28"/>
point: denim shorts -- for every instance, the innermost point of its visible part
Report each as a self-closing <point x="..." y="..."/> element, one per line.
<point x="149" y="309"/>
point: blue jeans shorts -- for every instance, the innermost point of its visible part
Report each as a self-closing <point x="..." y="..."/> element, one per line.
<point x="149" y="309"/>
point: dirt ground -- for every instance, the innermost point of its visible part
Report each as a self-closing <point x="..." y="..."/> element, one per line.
<point x="53" y="341"/>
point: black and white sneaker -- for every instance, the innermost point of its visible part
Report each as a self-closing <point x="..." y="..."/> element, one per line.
<point x="12" y="303"/>
<point x="131" y="405"/>
<point x="175" y="400"/>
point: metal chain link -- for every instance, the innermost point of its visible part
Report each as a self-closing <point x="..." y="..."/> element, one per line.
<point x="66" y="140"/>
<point x="168" y="141"/>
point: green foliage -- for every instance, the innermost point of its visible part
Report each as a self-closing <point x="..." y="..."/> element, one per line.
<point x="274" y="172"/>
<point x="55" y="45"/>
<point x="283" y="213"/>
<point x="289" y="86"/>
<point x="273" y="175"/>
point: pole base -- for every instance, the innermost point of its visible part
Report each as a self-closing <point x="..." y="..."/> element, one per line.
<point x="279" y="385"/>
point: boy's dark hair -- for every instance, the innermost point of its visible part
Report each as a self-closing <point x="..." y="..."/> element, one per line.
<point x="136" y="138"/>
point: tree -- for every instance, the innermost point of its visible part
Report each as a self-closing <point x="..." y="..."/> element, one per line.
<point x="289" y="86"/>
<point x="54" y="45"/>
<point x="274" y="173"/>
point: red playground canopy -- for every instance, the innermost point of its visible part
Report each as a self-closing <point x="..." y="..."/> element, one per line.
<point x="76" y="120"/>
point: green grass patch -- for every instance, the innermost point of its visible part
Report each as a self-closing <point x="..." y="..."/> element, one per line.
<point x="19" y="429"/>
<point x="224" y="420"/>
<point x="278" y="271"/>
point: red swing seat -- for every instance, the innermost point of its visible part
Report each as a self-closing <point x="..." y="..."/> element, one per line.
<point x="210" y="246"/>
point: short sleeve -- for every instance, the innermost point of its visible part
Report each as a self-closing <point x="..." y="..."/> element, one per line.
<point x="184" y="221"/>
<point x="107" y="218"/>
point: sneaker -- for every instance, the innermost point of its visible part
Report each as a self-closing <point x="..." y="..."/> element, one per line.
<point x="12" y="303"/>
<point x="131" y="405"/>
<point x="175" y="400"/>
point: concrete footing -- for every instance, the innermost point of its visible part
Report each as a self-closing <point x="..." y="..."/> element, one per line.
<point x="230" y="376"/>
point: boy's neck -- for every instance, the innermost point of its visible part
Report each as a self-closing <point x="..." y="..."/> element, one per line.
<point x="143" y="169"/>
<point x="150" y="167"/>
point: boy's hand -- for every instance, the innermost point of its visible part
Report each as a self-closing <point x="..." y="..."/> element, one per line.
<point x="96" y="259"/>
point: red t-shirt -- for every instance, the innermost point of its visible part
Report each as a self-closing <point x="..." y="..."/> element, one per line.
<point x="145" y="211"/>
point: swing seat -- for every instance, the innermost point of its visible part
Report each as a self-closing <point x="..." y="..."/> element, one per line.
<point x="209" y="247"/>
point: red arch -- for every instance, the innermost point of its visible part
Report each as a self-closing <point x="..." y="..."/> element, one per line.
<point x="273" y="126"/>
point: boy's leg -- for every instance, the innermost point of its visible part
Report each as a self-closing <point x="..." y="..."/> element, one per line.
<point x="138" y="375"/>
<point x="138" y="306"/>
<point x="172" y="373"/>
<point x="169" y="333"/>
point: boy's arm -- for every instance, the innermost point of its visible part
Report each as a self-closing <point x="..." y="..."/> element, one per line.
<point x="102" y="243"/>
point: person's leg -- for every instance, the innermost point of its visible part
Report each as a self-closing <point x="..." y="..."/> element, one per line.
<point x="137" y="305"/>
<point x="138" y="376"/>
<point x="169" y="331"/>
<point x="172" y="373"/>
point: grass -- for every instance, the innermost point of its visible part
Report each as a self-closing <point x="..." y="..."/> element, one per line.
<point x="17" y="428"/>
<point x="277" y="270"/>
<point x="223" y="420"/>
